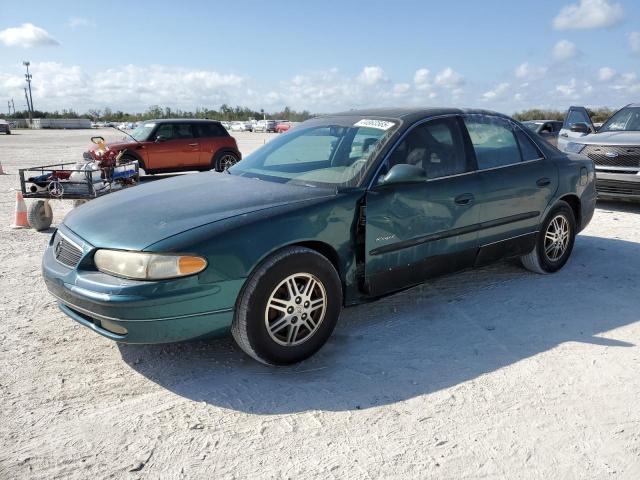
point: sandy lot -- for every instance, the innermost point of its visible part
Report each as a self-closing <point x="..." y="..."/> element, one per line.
<point x="492" y="373"/>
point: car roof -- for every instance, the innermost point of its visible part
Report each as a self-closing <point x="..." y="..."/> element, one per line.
<point x="543" y="121"/>
<point x="412" y="113"/>
<point x="182" y="120"/>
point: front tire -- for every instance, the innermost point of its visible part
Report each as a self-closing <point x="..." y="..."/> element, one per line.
<point x="554" y="243"/>
<point x="288" y="308"/>
<point x="39" y="215"/>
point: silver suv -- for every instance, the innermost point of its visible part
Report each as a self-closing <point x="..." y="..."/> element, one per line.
<point x="614" y="148"/>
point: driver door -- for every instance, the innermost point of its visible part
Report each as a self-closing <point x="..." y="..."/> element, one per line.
<point x="424" y="228"/>
<point x="574" y="115"/>
<point x="178" y="148"/>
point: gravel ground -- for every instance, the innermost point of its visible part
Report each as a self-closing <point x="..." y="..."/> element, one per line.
<point x="491" y="373"/>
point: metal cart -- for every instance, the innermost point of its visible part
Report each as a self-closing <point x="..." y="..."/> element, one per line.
<point x="71" y="181"/>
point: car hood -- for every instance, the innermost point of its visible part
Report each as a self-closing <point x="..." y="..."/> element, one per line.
<point x="116" y="145"/>
<point x="610" y="138"/>
<point x="137" y="217"/>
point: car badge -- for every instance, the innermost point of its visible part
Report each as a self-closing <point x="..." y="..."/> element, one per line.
<point x="611" y="154"/>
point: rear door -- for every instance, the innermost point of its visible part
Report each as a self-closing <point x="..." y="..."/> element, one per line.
<point x="417" y="230"/>
<point x="517" y="185"/>
<point x="574" y="115"/>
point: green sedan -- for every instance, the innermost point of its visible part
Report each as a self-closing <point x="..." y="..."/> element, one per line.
<point x="340" y="210"/>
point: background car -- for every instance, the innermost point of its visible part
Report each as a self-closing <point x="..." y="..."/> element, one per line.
<point x="265" y="126"/>
<point x="614" y="148"/>
<point x="547" y="129"/>
<point x="4" y="127"/>
<point x="342" y="210"/>
<point x="284" y="126"/>
<point x="177" y="145"/>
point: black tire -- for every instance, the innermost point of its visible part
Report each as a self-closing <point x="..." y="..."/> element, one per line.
<point x="538" y="260"/>
<point x="249" y="327"/>
<point x="223" y="160"/>
<point x="39" y="215"/>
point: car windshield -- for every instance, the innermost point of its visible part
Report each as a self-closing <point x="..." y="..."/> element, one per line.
<point x="142" y="132"/>
<point x="323" y="152"/>
<point x="627" y="119"/>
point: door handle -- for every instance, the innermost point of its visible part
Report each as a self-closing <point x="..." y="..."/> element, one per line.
<point x="543" y="182"/>
<point x="464" y="199"/>
<point x="193" y="144"/>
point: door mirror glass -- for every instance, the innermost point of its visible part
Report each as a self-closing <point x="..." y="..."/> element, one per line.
<point x="580" y="128"/>
<point x="404" y="173"/>
<point x="161" y="138"/>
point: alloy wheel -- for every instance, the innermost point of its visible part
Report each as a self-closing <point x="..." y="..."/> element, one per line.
<point x="295" y="309"/>
<point x="556" y="238"/>
<point x="227" y="161"/>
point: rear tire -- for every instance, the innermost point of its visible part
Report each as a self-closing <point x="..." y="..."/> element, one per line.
<point x="224" y="160"/>
<point x="554" y="242"/>
<point x="39" y="215"/>
<point x="288" y="307"/>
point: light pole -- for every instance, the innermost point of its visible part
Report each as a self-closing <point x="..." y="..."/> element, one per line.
<point x="26" y="96"/>
<point x="28" y="76"/>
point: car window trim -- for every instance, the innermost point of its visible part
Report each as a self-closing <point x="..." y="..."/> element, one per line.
<point x="406" y="132"/>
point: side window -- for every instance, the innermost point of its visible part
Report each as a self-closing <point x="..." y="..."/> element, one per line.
<point x="165" y="130"/>
<point x="183" y="130"/>
<point x="528" y="149"/>
<point x="493" y="140"/>
<point x="209" y="130"/>
<point x="436" y="146"/>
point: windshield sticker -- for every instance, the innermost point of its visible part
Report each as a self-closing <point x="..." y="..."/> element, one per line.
<point x="379" y="124"/>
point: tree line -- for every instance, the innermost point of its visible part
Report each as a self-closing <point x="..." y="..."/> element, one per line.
<point x="597" y="114"/>
<point x="225" y="112"/>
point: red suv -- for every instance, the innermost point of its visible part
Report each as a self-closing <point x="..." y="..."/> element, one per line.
<point x="177" y="145"/>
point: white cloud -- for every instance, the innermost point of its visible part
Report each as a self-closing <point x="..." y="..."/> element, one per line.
<point x="421" y="79"/>
<point x="371" y="75"/>
<point x="448" y="78"/>
<point x="26" y="35"/>
<point x="605" y="74"/>
<point x="401" y="88"/>
<point x="588" y="14"/>
<point x="496" y="92"/>
<point x="564" y="50"/>
<point x="530" y="72"/>
<point x="75" y="22"/>
<point x="568" y="90"/>
<point x="634" y="42"/>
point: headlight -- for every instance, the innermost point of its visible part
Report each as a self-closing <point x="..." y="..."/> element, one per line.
<point x="147" y="266"/>
<point x="573" y="147"/>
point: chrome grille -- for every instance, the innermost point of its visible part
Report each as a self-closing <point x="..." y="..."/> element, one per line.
<point x="610" y="156"/>
<point x="65" y="251"/>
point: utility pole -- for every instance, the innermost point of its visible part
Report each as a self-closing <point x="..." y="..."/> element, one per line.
<point x="28" y="76"/>
<point x="14" y="106"/>
<point x="9" y="106"/>
<point x="26" y="96"/>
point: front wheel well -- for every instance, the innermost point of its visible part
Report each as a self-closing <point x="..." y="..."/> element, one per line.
<point x="323" y="249"/>
<point x="574" y="203"/>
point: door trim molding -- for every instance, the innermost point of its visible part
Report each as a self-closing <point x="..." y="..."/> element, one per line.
<point x="432" y="237"/>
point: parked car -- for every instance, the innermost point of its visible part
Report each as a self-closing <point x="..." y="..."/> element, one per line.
<point x="342" y="210"/>
<point x="265" y="126"/>
<point x="177" y="145"/>
<point x="614" y="148"/>
<point x="547" y="129"/>
<point x="285" y="126"/>
<point x="241" y="126"/>
<point x="5" y="127"/>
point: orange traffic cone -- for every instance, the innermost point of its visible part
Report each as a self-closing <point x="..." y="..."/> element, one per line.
<point x="21" y="213"/>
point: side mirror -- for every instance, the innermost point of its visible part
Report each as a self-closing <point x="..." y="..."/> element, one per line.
<point x="404" y="173"/>
<point x="580" y="128"/>
<point x="161" y="138"/>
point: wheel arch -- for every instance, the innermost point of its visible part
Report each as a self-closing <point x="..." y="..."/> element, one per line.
<point x="574" y="203"/>
<point x="136" y="155"/>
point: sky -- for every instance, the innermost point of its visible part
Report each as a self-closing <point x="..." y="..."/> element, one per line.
<point x="321" y="56"/>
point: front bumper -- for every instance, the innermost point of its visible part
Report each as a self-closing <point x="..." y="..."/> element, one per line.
<point x="132" y="311"/>
<point x="618" y="186"/>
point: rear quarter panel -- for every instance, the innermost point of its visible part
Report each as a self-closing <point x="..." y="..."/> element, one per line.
<point x="576" y="176"/>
